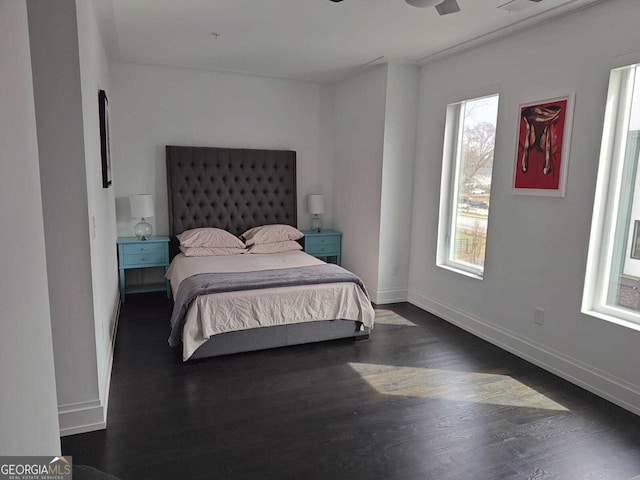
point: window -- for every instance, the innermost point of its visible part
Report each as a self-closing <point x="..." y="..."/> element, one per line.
<point x="466" y="184"/>
<point x="612" y="284"/>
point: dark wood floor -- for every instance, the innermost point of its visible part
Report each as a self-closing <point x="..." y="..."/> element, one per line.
<point x="420" y="400"/>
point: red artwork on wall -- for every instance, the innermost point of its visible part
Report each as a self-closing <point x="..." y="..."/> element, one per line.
<point x="540" y="157"/>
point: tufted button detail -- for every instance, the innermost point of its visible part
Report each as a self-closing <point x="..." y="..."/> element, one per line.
<point x="230" y="188"/>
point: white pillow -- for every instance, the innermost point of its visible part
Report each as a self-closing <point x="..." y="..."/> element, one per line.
<point x="271" y="234"/>
<point x="210" y="251"/>
<point x="209" y="237"/>
<point x="276" y="247"/>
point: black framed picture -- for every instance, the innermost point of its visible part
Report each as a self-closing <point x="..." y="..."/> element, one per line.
<point x="105" y="144"/>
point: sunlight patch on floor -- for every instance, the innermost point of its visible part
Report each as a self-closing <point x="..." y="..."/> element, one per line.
<point x="385" y="317"/>
<point x="488" y="388"/>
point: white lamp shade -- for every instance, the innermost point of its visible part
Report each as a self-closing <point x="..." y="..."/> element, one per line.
<point x="141" y="206"/>
<point x="315" y="204"/>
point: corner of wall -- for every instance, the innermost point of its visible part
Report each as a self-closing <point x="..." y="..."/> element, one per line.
<point x="91" y="415"/>
<point x="396" y="199"/>
<point x="68" y="59"/>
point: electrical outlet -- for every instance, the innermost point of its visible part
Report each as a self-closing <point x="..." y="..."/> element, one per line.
<point x="538" y="319"/>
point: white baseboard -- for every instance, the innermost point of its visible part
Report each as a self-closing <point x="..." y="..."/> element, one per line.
<point x="389" y="295"/>
<point x="385" y="296"/>
<point x="91" y="415"/>
<point x="81" y="417"/>
<point x="106" y="381"/>
<point x="607" y="386"/>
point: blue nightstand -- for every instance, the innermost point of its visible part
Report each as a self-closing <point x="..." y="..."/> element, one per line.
<point x="134" y="253"/>
<point x="327" y="244"/>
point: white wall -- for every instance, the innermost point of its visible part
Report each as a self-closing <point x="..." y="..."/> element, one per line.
<point x="94" y="76"/>
<point x="397" y="181"/>
<point x="28" y="417"/>
<point x="537" y="247"/>
<point x="374" y="134"/>
<point x="325" y="151"/>
<point x="55" y="59"/>
<point x="358" y="138"/>
<point x="156" y="106"/>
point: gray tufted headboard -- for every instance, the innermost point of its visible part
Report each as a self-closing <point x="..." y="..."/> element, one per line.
<point x="230" y="188"/>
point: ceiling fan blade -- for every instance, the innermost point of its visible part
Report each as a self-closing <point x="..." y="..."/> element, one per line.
<point x="447" y="7"/>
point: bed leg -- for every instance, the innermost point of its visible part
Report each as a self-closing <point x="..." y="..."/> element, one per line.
<point x="360" y="338"/>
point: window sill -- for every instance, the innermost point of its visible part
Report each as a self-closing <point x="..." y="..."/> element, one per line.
<point x="613" y="319"/>
<point x="461" y="271"/>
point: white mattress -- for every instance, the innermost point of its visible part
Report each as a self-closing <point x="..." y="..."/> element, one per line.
<point x="231" y="311"/>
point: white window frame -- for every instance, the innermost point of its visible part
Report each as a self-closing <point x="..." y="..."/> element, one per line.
<point x="606" y="241"/>
<point x="451" y="157"/>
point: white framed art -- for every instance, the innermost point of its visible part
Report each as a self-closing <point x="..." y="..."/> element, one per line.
<point x="543" y="141"/>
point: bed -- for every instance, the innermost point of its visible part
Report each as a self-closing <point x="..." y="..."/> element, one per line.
<point x="235" y="190"/>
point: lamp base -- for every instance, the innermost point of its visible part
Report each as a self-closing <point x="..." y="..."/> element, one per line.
<point x="316" y="223"/>
<point x="143" y="230"/>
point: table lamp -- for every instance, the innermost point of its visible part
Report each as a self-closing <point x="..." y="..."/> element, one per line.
<point x="142" y="207"/>
<point x="315" y="206"/>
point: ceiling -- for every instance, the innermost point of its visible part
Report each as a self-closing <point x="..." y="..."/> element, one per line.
<point x="315" y="40"/>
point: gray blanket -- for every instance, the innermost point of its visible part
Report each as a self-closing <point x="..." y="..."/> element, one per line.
<point x="206" y="283"/>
